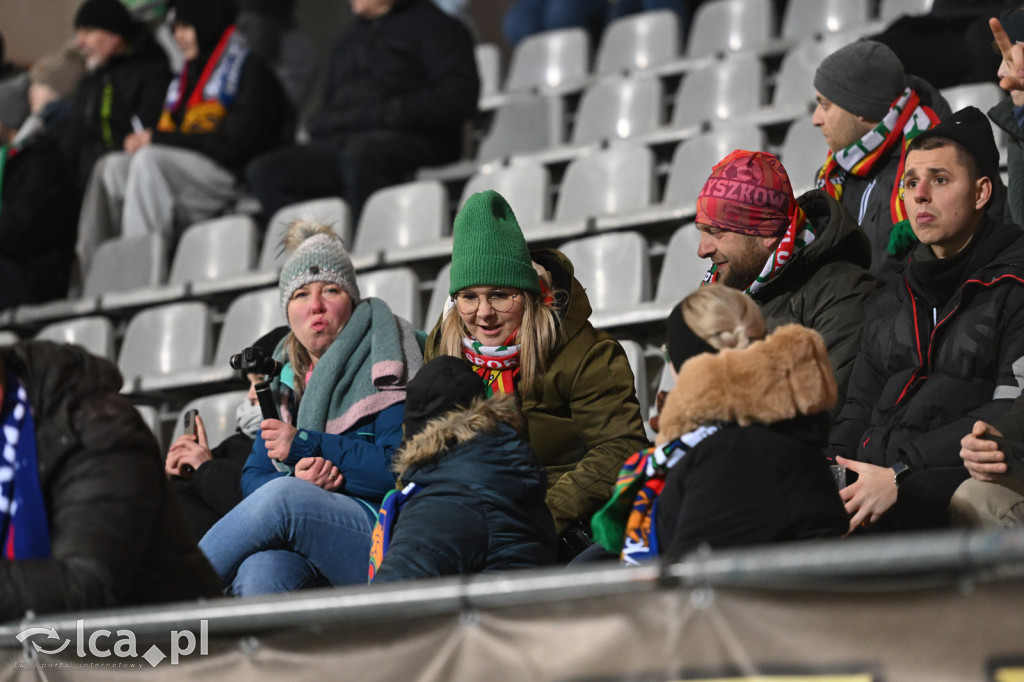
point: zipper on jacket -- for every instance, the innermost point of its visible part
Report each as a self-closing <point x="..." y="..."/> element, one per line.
<point x="864" y="201"/>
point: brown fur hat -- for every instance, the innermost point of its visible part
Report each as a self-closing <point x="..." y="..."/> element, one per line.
<point x="786" y="375"/>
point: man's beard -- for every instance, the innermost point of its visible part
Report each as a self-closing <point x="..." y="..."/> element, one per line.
<point x="745" y="267"/>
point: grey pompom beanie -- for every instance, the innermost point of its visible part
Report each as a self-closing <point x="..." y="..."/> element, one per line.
<point x="318" y="257"/>
<point x="864" y="78"/>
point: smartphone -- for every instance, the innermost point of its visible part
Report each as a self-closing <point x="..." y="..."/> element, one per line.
<point x="188" y="421"/>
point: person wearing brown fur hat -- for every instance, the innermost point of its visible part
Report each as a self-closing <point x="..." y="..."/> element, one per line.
<point x="738" y="453"/>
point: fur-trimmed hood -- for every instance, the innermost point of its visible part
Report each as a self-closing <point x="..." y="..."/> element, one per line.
<point x="786" y="375"/>
<point x="457" y="427"/>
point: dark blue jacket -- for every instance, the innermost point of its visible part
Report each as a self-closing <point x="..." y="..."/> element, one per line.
<point x="481" y="506"/>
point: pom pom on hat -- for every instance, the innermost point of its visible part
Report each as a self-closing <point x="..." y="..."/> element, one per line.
<point x="489" y="248"/>
<point x="317" y="255"/>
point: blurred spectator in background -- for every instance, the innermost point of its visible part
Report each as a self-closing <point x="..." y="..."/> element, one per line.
<point x="37" y="206"/>
<point x="53" y="82"/>
<point x="386" y="111"/>
<point x="868" y="111"/>
<point x="269" y="27"/>
<point x="526" y="17"/>
<point x="1008" y="31"/>
<point x="224" y="107"/>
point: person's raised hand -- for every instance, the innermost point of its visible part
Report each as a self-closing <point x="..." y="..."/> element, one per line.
<point x="278" y="437"/>
<point x="193" y="450"/>
<point x="1011" y="76"/>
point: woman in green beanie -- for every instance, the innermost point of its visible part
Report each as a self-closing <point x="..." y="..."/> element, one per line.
<point x="522" y="320"/>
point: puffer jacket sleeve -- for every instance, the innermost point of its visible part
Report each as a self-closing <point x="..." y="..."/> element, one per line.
<point x="606" y="413"/>
<point x="441" y="531"/>
<point x="867" y="381"/>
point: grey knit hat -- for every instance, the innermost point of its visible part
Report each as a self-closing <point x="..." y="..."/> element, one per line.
<point x="864" y="78"/>
<point x="317" y="255"/>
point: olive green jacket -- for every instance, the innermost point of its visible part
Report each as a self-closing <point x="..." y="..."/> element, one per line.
<point x="582" y="416"/>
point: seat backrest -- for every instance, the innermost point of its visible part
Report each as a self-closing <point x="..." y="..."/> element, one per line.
<point x="724" y="90"/>
<point x="398" y="287"/>
<point x="249" y="317"/>
<point x="488" y="65"/>
<point x="613" y="268"/>
<point x="802" y="153"/>
<point x="693" y="159"/>
<point x="730" y="26"/>
<point x="794" y="82"/>
<point x="95" y="334"/>
<point x="215" y="249"/>
<point x="891" y="10"/>
<point x="804" y="18"/>
<point x="638" y="363"/>
<point x="165" y="339"/>
<point x="526" y="187"/>
<point x="618" y="107"/>
<point x="638" y="41"/>
<point x="127" y="263"/>
<point x="331" y="211"/>
<point x="525" y="123"/>
<point x="549" y="60"/>
<point x="610" y="182"/>
<point x="217" y="412"/>
<point x="438" y="297"/>
<point x="403" y="215"/>
<point x="682" y="270"/>
<point x="981" y="95"/>
<point x="7" y="337"/>
<point x="151" y="416"/>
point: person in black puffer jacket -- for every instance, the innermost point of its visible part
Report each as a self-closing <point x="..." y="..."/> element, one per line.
<point x="471" y="493"/>
<point x="105" y="529"/>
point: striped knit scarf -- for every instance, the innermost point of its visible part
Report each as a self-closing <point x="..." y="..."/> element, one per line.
<point x="24" y="531"/>
<point x="626" y="524"/>
<point x="800" y="233"/>
<point x="906" y="119"/>
<point x="384" y="529"/>
<point x="498" y="366"/>
<point x="213" y="93"/>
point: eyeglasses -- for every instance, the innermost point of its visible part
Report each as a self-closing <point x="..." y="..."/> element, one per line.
<point x="500" y="300"/>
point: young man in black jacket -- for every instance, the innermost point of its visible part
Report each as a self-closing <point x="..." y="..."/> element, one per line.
<point x="943" y="348"/>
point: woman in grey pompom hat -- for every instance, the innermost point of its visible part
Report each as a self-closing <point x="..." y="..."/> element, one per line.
<point x="316" y="476"/>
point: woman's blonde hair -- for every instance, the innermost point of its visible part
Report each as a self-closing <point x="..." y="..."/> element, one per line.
<point x="301" y="362"/>
<point x="723" y="317"/>
<point x="537" y="337"/>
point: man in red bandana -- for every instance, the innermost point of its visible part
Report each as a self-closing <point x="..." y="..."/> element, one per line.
<point x="802" y="260"/>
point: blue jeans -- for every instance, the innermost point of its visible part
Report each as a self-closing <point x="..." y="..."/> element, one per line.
<point x="290" y="534"/>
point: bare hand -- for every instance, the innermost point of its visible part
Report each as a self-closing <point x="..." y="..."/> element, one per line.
<point x="188" y="449"/>
<point x="1012" y="72"/>
<point x="871" y="496"/>
<point x="278" y="437"/>
<point x="982" y="457"/>
<point x="133" y="142"/>
<point x="320" y="472"/>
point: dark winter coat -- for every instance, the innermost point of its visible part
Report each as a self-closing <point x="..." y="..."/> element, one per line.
<point x="38" y="218"/>
<point x="1003" y="115"/>
<point x="137" y="85"/>
<point x="868" y="198"/>
<point x="259" y="119"/>
<point x="410" y="70"/>
<point x="928" y="369"/>
<point x="761" y="478"/>
<point x="825" y="285"/>
<point x="481" y="507"/>
<point x="117" y="534"/>
<point x="216" y="486"/>
<point x="583" y="416"/>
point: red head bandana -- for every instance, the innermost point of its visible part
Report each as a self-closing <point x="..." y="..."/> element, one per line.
<point x="749" y="193"/>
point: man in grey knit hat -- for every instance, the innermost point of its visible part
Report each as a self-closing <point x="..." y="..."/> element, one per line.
<point x="868" y="109"/>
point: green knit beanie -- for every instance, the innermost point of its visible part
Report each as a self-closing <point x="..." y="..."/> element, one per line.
<point x="489" y="248"/>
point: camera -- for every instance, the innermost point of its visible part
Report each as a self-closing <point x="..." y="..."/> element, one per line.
<point x="255" y="360"/>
